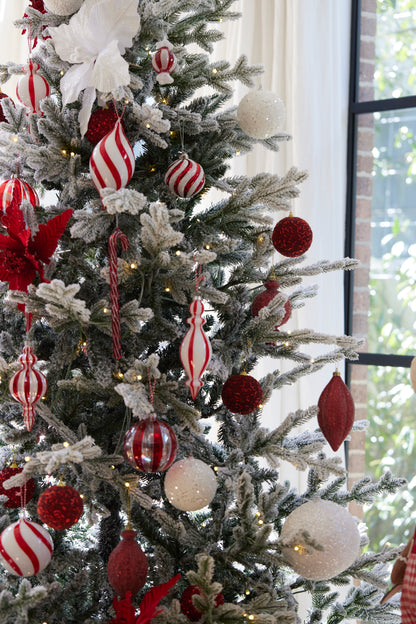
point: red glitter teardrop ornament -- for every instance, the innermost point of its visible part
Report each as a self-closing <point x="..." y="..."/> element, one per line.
<point x="242" y="394"/>
<point x="127" y="565"/>
<point x="187" y="606"/>
<point x="101" y="122"/>
<point x="336" y="412"/>
<point x="17" y="496"/>
<point x="60" y="507"/>
<point x="292" y="236"/>
<point x="263" y="299"/>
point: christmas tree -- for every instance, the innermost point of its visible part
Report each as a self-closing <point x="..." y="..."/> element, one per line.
<point x="136" y="307"/>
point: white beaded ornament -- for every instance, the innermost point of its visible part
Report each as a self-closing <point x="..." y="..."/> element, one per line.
<point x="25" y="548"/>
<point x="261" y="114"/>
<point x="190" y="484"/>
<point x="62" y="7"/>
<point x="32" y="88"/>
<point x="185" y="177"/>
<point x="327" y="524"/>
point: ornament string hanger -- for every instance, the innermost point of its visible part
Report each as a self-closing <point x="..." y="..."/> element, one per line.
<point x="199" y="278"/>
<point x="129" y="526"/>
<point x="152" y="386"/>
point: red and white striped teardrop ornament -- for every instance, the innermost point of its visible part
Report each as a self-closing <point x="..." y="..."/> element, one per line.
<point x="28" y="385"/>
<point x="32" y="88"/>
<point x="185" y="177"/>
<point x="25" y="548"/>
<point x="150" y="445"/>
<point x="112" y="161"/>
<point x="19" y="190"/>
<point x="164" y="62"/>
<point x="195" y="350"/>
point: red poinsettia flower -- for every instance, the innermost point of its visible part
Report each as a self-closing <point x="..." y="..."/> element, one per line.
<point x="22" y="258"/>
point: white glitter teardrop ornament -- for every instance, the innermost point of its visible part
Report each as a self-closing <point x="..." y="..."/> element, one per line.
<point x="195" y="350"/>
<point x="25" y="548"/>
<point x="190" y="484"/>
<point x="62" y="7"/>
<point x="185" y="177"/>
<point x="261" y="114"/>
<point x="328" y="525"/>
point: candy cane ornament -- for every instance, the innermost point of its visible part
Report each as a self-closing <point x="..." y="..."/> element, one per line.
<point x="112" y="161"/>
<point x="32" y="88"/>
<point x="195" y="350"/>
<point x="28" y="385"/>
<point x="116" y="236"/>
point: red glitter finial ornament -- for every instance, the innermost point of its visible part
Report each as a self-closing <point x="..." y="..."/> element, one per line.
<point x="336" y="411"/>
<point x="127" y="565"/>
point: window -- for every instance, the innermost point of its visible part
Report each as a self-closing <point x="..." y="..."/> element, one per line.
<point x="381" y="233"/>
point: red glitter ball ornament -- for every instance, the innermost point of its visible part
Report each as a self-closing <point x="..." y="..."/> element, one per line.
<point x="127" y="565"/>
<point x="263" y="299"/>
<point x="336" y="412"/>
<point x="17" y="496"/>
<point x="101" y="122"/>
<point x="187" y="606"/>
<point x="292" y="236"/>
<point x="242" y="394"/>
<point x="60" y="507"/>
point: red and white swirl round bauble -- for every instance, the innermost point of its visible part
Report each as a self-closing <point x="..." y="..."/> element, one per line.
<point x="18" y="189"/>
<point x="28" y="385"/>
<point x="185" y="177"/>
<point x="164" y="62"/>
<point x="150" y="445"/>
<point x="195" y="350"/>
<point x="112" y="160"/>
<point x="25" y="548"/>
<point x="32" y="88"/>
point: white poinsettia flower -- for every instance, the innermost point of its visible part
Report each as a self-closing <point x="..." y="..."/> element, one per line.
<point x="94" y="41"/>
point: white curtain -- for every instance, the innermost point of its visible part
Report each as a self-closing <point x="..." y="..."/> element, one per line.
<point x="304" y="48"/>
<point x="13" y="47"/>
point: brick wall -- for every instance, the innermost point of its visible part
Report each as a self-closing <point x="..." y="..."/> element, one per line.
<point x="364" y="189"/>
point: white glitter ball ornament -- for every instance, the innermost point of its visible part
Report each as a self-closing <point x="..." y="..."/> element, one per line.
<point x="190" y="484"/>
<point x="62" y="7"/>
<point x="261" y="114"/>
<point x="328" y="525"/>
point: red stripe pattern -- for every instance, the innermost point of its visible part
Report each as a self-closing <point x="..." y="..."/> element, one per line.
<point x="18" y="189"/>
<point x="28" y="385"/>
<point x="25" y="548"/>
<point x="164" y="63"/>
<point x="32" y="88"/>
<point x="112" y="160"/>
<point x="195" y="350"/>
<point x="185" y="177"/>
<point x="408" y="598"/>
<point x="150" y="445"/>
<point x="116" y="236"/>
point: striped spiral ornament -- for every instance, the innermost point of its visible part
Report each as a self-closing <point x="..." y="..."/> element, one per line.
<point x="19" y="190"/>
<point x="28" y="385"/>
<point x="195" y="350"/>
<point x="112" y="160"/>
<point x="150" y="445"/>
<point x="164" y="62"/>
<point x="25" y="548"/>
<point x="116" y="236"/>
<point x="32" y="88"/>
<point x="185" y="177"/>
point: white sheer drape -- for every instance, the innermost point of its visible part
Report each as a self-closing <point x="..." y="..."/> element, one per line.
<point x="304" y="48"/>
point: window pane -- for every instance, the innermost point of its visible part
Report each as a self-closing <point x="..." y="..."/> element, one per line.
<point x="391" y="445"/>
<point x="387" y="49"/>
<point x="385" y="227"/>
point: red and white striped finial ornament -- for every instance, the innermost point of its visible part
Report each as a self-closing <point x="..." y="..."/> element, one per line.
<point x="32" y="88"/>
<point x="18" y="189"/>
<point x="195" y="350"/>
<point x="25" y="548"/>
<point x="185" y="177"/>
<point x="28" y="385"/>
<point x="164" y="62"/>
<point x="112" y="161"/>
